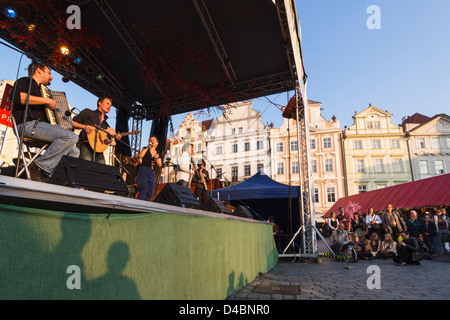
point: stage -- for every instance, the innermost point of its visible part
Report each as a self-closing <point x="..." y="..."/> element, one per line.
<point x="67" y="243"/>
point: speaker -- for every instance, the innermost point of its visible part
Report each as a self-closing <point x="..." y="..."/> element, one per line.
<point x="243" y="212"/>
<point x="176" y="195"/>
<point x="215" y="205"/>
<point x="93" y="176"/>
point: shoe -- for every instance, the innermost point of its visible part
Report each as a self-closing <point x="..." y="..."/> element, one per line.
<point x="400" y="264"/>
<point x="36" y="173"/>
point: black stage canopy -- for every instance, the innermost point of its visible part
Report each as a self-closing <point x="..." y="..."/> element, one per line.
<point x="171" y="56"/>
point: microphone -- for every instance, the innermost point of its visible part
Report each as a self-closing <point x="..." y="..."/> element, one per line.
<point x="69" y="112"/>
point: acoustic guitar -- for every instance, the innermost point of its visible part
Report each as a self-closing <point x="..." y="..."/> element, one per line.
<point x="105" y="138"/>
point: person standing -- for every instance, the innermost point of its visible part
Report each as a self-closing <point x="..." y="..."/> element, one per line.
<point x="37" y="125"/>
<point x="442" y="223"/>
<point x="392" y="222"/>
<point x="146" y="176"/>
<point x="184" y="166"/>
<point x="201" y="180"/>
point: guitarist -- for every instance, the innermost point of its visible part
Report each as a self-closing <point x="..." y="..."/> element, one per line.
<point x="86" y="121"/>
<point x="37" y="126"/>
<point x="201" y="179"/>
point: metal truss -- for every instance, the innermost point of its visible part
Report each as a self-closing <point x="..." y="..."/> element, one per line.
<point x="214" y="37"/>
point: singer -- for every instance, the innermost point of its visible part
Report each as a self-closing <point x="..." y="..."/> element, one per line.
<point x="37" y="126"/>
<point x="146" y="176"/>
<point x="201" y="180"/>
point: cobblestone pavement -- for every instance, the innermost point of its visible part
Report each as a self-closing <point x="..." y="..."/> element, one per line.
<point x="332" y="280"/>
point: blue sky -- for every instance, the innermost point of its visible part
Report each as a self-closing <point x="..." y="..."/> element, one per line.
<point x="403" y="67"/>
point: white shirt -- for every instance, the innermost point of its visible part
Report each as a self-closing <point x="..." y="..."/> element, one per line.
<point x="183" y="168"/>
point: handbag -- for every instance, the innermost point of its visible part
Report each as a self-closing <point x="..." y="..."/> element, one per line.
<point x="376" y="226"/>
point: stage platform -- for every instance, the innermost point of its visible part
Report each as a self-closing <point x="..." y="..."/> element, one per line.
<point x="67" y="243"/>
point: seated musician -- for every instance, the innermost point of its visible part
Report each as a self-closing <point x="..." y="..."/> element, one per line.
<point x="86" y="121"/>
<point x="38" y="126"/>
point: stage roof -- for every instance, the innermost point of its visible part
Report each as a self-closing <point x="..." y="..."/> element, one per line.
<point x="166" y="55"/>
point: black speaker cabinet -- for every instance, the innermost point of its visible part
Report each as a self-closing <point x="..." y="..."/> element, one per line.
<point x="176" y="195"/>
<point x="88" y="175"/>
<point x="243" y="212"/>
<point x="215" y="205"/>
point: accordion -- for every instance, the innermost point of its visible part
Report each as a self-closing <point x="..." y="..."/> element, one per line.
<point x="58" y="116"/>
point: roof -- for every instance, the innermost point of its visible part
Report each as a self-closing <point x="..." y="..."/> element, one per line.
<point x="428" y="192"/>
<point x="259" y="186"/>
<point x="171" y="56"/>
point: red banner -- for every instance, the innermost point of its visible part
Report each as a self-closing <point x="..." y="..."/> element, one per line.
<point x="6" y="102"/>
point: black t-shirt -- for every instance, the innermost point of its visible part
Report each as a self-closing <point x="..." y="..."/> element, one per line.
<point x="36" y="112"/>
<point x="90" y="118"/>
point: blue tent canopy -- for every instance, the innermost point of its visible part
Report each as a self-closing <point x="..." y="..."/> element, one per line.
<point x="259" y="186"/>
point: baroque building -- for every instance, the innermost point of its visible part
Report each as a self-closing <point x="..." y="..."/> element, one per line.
<point x="428" y="144"/>
<point x="375" y="152"/>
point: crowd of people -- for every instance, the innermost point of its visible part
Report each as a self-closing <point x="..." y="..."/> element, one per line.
<point x="386" y="235"/>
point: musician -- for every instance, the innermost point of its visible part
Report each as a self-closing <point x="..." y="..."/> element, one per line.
<point x="38" y="126"/>
<point x="201" y="180"/>
<point x="146" y="176"/>
<point x="184" y="167"/>
<point x="86" y="121"/>
<point x="129" y="176"/>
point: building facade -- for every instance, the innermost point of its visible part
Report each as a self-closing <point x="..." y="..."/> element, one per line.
<point x="428" y="144"/>
<point x="375" y="152"/>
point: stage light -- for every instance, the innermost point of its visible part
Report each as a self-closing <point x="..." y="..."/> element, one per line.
<point x="10" y="13"/>
<point x="31" y="27"/>
<point x="78" y="60"/>
<point x="99" y="76"/>
<point x="65" y="50"/>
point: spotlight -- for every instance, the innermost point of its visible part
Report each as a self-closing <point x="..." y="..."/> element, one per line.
<point x="10" y="13"/>
<point x="65" y="50"/>
<point x="99" y="76"/>
<point x="31" y="27"/>
<point x="78" y="60"/>
<point x="66" y="78"/>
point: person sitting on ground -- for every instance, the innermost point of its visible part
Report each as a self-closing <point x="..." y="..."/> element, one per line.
<point x="339" y="238"/>
<point x="409" y="251"/>
<point x="365" y="249"/>
<point x="388" y="247"/>
<point x="375" y="243"/>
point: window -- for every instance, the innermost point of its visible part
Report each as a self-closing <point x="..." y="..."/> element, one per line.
<point x="314" y="165"/>
<point x="280" y="168"/>
<point x="219" y="172"/>
<point x="260" y="167"/>
<point x="360" y="165"/>
<point x="357" y="144"/>
<point x="439" y="165"/>
<point x="294" y="146"/>
<point x="241" y="130"/>
<point x="329" y="165"/>
<point x="381" y="186"/>
<point x="435" y="143"/>
<point x="316" y="195"/>
<point x="247" y="146"/>
<point x="247" y="170"/>
<point x="395" y="144"/>
<point x="233" y="131"/>
<point x="362" y="188"/>
<point x="326" y="143"/>
<point x="199" y="148"/>
<point x="448" y="142"/>
<point x="379" y="165"/>
<point x="331" y="194"/>
<point x="373" y="124"/>
<point x="312" y="144"/>
<point x="235" y="148"/>
<point x="420" y="143"/>
<point x="219" y="150"/>
<point x="279" y="147"/>
<point x="376" y="144"/>
<point x="234" y="174"/>
<point x="423" y="166"/>
<point x="295" y="167"/>
<point x="398" y="166"/>
<point x="259" y="145"/>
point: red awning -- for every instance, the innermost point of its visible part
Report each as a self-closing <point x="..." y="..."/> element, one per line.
<point x="422" y="193"/>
